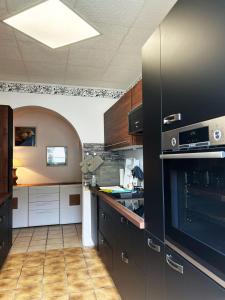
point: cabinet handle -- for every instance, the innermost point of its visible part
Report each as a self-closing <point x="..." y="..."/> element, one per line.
<point x="102" y="241"/>
<point x="2" y="218"/>
<point x="124" y="258"/>
<point x="175" y="266"/>
<point x="123" y="220"/>
<point x="172" y="118"/>
<point x="103" y="215"/>
<point x="154" y="246"/>
<point x="2" y="245"/>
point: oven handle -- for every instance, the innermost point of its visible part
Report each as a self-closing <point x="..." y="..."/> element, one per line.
<point x="217" y="154"/>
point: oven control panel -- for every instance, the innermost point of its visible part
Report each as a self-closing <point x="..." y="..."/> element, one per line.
<point x="199" y="135"/>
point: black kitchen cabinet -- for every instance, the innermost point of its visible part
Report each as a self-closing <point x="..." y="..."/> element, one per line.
<point x="121" y="247"/>
<point x="193" y="61"/>
<point x="129" y="264"/>
<point x="184" y="281"/>
<point x="155" y="285"/>
<point x="5" y="229"/>
<point x="105" y="251"/>
<point x="154" y="209"/>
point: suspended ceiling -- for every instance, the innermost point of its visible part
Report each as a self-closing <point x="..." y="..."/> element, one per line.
<point x="111" y="60"/>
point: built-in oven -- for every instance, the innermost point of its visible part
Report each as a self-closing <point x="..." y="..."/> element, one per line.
<point x="194" y="191"/>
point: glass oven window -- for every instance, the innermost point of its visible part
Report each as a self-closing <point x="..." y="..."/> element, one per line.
<point x="197" y="199"/>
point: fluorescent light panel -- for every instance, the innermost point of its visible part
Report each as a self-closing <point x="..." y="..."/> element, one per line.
<point x="53" y="24"/>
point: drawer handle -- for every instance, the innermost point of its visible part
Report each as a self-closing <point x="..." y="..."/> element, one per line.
<point x="154" y="246"/>
<point x="2" y="218"/>
<point x="172" y="118"/>
<point x="175" y="266"/>
<point x="123" y="220"/>
<point x="2" y="245"/>
<point x="124" y="258"/>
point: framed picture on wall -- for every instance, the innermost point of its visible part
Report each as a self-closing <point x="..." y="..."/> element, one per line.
<point x="56" y="156"/>
<point x="25" y="136"/>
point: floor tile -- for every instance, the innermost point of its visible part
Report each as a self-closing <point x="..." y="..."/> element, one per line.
<point x="6" y="295"/>
<point x="8" y="284"/>
<point x="88" y="295"/>
<point x="80" y="285"/>
<point x="107" y="294"/>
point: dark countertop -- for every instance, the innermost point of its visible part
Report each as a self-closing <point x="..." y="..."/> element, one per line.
<point x="131" y="216"/>
<point x="47" y="184"/>
<point x="4" y="197"/>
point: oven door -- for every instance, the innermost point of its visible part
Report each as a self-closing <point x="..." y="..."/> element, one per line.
<point x="194" y="191"/>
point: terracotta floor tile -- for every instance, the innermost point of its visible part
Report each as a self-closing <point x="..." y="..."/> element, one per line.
<point x="36" y="254"/>
<point x="8" y="284"/>
<point x="58" y="289"/>
<point x="53" y="278"/>
<point x="6" y="295"/>
<point x="78" y="275"/>
<point x="11" y="273"/>
<point x="31" y="293"/>
<point x="37" y="270"/>
<point x="80" y="286"/>
<point x="28" y="281"/>
<point x="101" y="282"/>
<point x="98" y="271"/>
<point x="88" y="295"/>
<point x="64" y="297"/>
<point x="107" y="294"/>
<point x="55" y="260"/>
<point x="76" y="265"/>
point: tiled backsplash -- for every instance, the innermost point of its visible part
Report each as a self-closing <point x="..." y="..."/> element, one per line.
<point x="108" y="173"/>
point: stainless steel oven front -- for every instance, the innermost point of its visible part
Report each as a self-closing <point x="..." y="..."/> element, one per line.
<point x="194" y="191"/>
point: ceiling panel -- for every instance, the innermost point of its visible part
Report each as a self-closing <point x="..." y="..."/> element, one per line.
<point x="112" y="59"/>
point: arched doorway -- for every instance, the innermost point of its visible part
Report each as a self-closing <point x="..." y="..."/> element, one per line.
<point x="51" y="129"/>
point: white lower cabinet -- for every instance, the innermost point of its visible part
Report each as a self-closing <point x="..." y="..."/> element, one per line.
<point x="20" y="207"/>
<point x="43" y="205"/>
<point x="70" y="203"/>
<point x="47" y="205"/>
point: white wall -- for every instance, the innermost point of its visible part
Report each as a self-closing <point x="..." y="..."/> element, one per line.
<point x="85" y="114"/>
<point x="51" y="130"/>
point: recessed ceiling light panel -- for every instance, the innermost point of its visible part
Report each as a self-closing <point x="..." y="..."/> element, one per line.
<point x="53" y="24"/>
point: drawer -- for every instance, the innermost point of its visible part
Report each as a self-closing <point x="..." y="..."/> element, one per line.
<point x="48" y="189"/>
<point x="42" y="217"/>
<point x="44" y="197"/>
<point x="44" y="205"/>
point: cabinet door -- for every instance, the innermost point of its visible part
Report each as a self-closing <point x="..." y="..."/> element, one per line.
<point x="116" y="123"/>
<point x="70" y="204"/>
<point x="136" y="95"/>
<point x="192" y="60"/>
<point x="154" y="209"/>
<point x="129" y="267"/>
<point x="184" y="281"/>
<point x="20" y="210"/>
<point x="5" y="231"/>
<point x="105" y="252"/>
<point x="155" y="268"/>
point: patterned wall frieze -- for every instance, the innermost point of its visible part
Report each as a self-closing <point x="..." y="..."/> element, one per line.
<point x="33" y="88"/>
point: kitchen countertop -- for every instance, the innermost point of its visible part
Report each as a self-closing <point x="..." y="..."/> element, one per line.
<point x="4" y="197"/>
<point x="47" y="184"/>
<point x="131" y="216"/>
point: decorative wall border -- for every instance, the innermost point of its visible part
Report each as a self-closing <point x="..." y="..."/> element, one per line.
<point x="34" y="88"/>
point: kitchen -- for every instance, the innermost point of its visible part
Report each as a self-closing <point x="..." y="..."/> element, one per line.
<point x="134" y="205"/>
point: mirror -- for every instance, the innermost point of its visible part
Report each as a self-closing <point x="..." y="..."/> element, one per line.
<point x="56" y="156"/>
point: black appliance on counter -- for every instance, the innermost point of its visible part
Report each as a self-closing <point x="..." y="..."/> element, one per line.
<point x="194" y="188"/>
<point x="135" y="120"/>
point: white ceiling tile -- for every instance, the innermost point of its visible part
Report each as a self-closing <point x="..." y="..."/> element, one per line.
<point x="36" y="52"/>
<point x="126" y="61"/>
<point x="121" y="76"/>
<point x="6" y="32"/>
<point x="45" y="69"/>
<point x="122" y="12"/>
<point x="90" y="57"/>
<point x="153" y="12"/>
<point x="12" y="67"/>
<point x="74" y="73"/>
<point x="9" y="50"/>
<point x="3" y="9"/>
<point x="15" y="6"/>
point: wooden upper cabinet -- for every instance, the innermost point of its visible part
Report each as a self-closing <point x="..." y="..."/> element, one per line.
<point x="116" y="123"/>
<point x="136" y="95"/>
